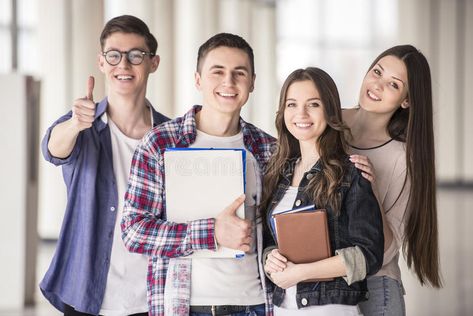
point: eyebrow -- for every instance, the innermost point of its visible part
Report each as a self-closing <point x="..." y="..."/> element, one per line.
<point x="311" y="99"/>
<point x="396" y="78"/>
<point x="236" y="68"/>
<point x="133" y="48"/>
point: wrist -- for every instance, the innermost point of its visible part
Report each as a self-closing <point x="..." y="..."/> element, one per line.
<point x="73" y="126"/>
<point x="302" y="273"/>
<point x="213" y="231"/>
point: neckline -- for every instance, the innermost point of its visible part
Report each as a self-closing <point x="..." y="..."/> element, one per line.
<point x="225" y="139"/>
<point x="374" y="147"/>
<point x="115" y="130"/>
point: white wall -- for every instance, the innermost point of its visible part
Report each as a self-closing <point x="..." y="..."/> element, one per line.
<point x="443" y="30"/>
<point x="18" y="234"/>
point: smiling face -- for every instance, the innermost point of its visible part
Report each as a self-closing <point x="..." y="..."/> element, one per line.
<point x="225" y="79"/>
<point x="384" y="88"/>
<point x="304" y="115"/>
<point x="125" y="78"/>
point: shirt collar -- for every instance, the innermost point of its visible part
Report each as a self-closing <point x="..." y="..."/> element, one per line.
<point x="188" y="128"/>
<point x="288" y="169"/>
<point x="188" y="131"/>
<point x="101" y="112"/>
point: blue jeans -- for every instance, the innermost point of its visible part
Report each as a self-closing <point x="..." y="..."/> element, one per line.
<point x="386" y="298"/>
<point x="258" y="310"/>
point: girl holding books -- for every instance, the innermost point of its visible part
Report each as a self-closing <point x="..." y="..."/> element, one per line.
<point x="310" y="166"/>
<point x="393" y="127"/>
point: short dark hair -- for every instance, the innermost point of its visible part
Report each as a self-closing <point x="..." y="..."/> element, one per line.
<point x="227" y="40"/>
<point x="129" y="24"/>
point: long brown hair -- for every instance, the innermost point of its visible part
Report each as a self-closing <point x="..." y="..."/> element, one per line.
<point x="414" y="126"/>
<point x="331" y="144"/>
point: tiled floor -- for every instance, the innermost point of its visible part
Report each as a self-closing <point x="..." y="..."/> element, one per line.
<point x="456" y="250"/>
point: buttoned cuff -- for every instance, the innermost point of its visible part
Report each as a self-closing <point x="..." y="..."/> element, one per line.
<point x="354" y="262"/>
<point x="202" y="234"/>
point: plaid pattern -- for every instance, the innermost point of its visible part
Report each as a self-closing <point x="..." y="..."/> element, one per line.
<point x="144" y="225"/>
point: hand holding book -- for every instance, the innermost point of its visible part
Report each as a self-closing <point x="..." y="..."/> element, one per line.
<point x="232" y="231"/>
<point x="302" y="235"/>
<point x="289" y="276"/>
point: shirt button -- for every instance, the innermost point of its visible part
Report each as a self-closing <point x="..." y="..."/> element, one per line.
<point x="112" y="208"/>
<point x="304" y="301"/>
<point x="309" y="176"/>
<point x="298" y="202"/>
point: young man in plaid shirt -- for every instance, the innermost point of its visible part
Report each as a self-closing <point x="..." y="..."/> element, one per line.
<point x="176" y="285"/>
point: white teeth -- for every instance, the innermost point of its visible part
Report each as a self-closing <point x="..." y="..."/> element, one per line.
<point x="303" y="124"/>
<point x="227" y="94"/>
<point x="372" y="96"/>
<point x="124" y="77"/>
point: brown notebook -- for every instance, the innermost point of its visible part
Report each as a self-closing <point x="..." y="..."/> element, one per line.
<point x="303" y="237"/>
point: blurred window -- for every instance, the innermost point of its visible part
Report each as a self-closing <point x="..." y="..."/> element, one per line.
<point x="26" y="38"/>
<point x="5" y="36"/>
<point x="339" y="36"/>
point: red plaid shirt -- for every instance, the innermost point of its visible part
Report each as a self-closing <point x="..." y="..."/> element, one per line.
<point x="144" y="225"/>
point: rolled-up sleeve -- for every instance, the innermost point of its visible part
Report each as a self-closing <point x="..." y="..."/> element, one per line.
<point x="44" y="144"/>
<point x="354" y="262"/>
<point x="365" y="226"/>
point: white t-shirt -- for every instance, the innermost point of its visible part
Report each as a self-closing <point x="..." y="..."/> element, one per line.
<point x="229" y="281"/>
<point x="125" y="292"/>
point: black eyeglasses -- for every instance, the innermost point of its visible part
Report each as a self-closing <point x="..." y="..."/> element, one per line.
<point x="134" y="56"/>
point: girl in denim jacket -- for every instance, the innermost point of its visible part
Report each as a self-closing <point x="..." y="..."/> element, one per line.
<point x="310" y="166"/>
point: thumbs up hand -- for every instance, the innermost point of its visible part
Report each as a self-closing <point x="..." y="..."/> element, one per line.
<point x="232" y="231"/>
<point x="83" y="109"/>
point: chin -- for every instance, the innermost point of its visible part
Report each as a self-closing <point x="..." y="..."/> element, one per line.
<point x="229" y="109"/>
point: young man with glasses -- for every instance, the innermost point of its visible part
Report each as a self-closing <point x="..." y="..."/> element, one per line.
<point x="178" y="286"/>
<point x="91" y="271"/>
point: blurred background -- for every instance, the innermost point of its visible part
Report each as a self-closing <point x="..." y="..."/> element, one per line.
<point x="48" y="48"/>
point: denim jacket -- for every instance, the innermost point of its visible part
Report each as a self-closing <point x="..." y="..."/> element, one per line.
<point x="358" y="223"/>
